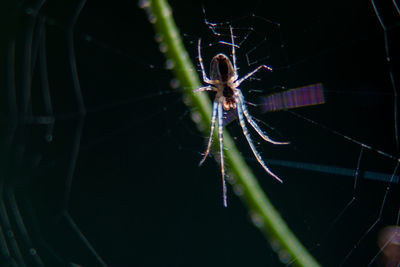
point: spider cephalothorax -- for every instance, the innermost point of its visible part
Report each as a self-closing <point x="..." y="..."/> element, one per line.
<point x="224" y="80"/>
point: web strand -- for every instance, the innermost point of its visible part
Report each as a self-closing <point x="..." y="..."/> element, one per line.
<point x="390" y="67"/>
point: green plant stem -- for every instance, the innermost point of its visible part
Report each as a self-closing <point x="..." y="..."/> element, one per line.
<point x="263" y="213"/>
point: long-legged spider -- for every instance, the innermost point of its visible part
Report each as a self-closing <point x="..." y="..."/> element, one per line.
<point x="224" y="81"/>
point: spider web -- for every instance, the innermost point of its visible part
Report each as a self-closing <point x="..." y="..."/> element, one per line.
<point x="99" y="154"/>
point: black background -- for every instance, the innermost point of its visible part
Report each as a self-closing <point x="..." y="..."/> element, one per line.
<point x="138" y="194"/>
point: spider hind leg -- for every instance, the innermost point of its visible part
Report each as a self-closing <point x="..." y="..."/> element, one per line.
<point x="221" y="149"/>
<point x="255" y="126"/>
<point x="250" y="141"/>
<point x="210" y="138"/>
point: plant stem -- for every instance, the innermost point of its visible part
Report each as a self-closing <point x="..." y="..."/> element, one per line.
<point x="263" y="213"/>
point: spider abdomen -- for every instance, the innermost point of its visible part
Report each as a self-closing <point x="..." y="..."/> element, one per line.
<point x="229" y="99"/>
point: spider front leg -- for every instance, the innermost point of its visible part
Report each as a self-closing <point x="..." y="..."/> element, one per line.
<point x="248" y="75"/>
<point x="253" y="148"/>
<point x="204" y="88"/>
<point x="203" y="72"/>
<point x="233" y="54"/>
<point x="253" y="123"/>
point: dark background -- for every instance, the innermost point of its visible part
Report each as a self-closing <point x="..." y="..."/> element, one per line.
<point x="137" y="193"/>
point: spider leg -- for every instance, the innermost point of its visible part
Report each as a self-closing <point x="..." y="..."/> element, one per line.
<point x="253" y="148"/>
<point x="254" y="124"/>
<point x="248" y="75"/>
<point x="221" y="149"/>
<point x="203" y="72"/>
<point x="233" y="54"/>
<point x="204" y="88"/>
<point x="210" y="139"/>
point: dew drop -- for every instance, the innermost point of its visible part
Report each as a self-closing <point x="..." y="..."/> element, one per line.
<point x="158" y="37"/>
<point x="144" y="3"/>
<point x="186" y="100"/>
<point x="163" y="47"/>
<point x="275" y="245"/>
<point x="32" y="251"/>
<point x="284" y="256"/>
<point x="257" y="219"/>
<point x="167" y="12"/>
<point x="231" y="179"/>
<point x="196" y="117"/>
<point x="169" y="64"/>
<point x="152" y="18"/>
<point x="201" y="127"/>
<point x="238" y="189"/>
<point x="174" y="83"/>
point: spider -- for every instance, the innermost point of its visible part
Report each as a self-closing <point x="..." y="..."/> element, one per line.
<point x="225" y="82"/>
